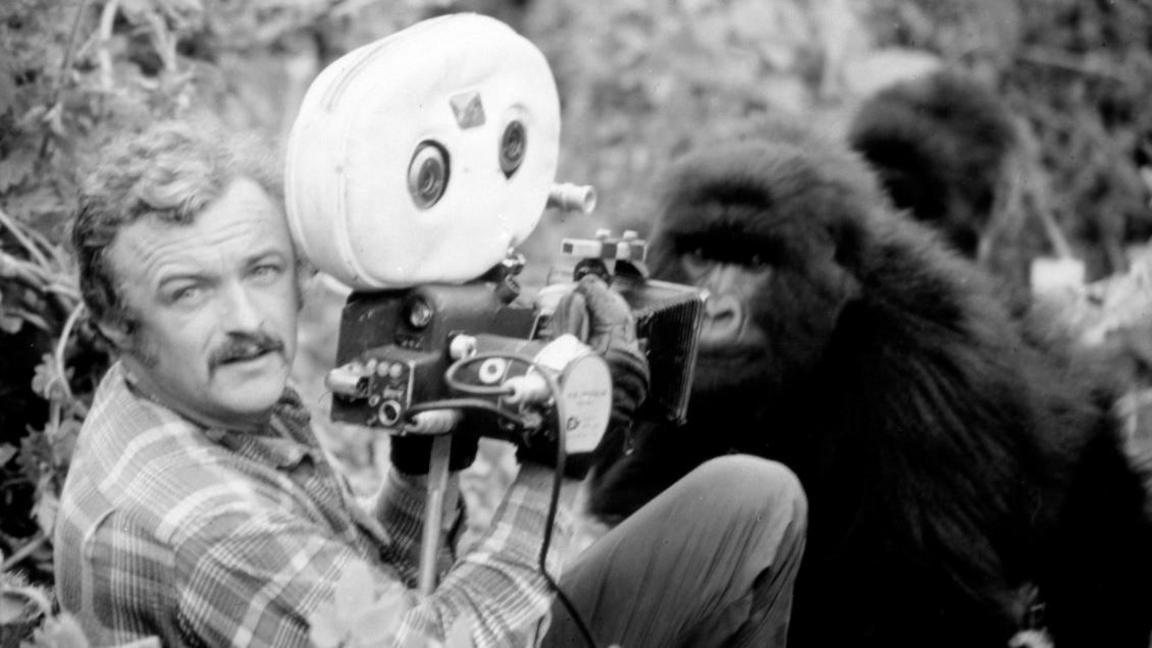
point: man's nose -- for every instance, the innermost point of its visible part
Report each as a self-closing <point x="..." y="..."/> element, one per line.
<point x="239" y="312"/>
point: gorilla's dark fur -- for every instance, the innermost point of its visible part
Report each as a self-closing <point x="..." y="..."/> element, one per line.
<point x="951" y="468"/>
<point x="941" y="146"/>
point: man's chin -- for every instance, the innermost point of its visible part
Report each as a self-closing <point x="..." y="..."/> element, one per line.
<point x="251" y="387"/>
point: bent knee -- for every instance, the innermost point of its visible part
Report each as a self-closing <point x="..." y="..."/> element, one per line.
<point x="751" y="484"/>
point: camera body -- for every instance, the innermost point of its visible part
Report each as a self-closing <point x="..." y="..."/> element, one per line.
<point x="396" y="346"/>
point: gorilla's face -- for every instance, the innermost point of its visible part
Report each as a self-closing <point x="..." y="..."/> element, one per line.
<point x="773" y="231"/>
<point x="773" y="299"/>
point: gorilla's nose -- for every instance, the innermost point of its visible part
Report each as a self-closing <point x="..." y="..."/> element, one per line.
<point x="723" y="319"/>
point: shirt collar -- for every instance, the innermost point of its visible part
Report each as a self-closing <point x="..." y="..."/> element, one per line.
<point x="284" y="441"/>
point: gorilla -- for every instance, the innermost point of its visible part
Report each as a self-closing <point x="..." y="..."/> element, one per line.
<point x="960" y="480"/>
<point x="943" y="146"/>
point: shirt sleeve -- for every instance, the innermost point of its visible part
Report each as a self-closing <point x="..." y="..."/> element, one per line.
<point x="252" y="577"/>
<point x="498" y="585"/>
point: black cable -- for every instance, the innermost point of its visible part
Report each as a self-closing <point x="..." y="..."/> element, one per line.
<point x="553" y="507"/>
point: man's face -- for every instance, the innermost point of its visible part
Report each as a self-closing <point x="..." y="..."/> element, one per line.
<point x="215" y="305"/>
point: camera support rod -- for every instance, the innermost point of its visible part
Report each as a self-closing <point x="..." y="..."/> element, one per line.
<point x="434" y="511"/>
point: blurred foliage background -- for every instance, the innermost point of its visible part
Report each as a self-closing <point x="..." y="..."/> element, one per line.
<point x="641" y="81"/>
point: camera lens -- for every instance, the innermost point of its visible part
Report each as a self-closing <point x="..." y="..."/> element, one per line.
<point x="428" y="174"/>
<point x="513" y="144"/>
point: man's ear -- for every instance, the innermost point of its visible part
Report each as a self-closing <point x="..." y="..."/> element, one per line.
<point x="118" y="332"/>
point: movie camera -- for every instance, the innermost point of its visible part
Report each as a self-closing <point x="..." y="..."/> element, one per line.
<point x="416" y="166"/>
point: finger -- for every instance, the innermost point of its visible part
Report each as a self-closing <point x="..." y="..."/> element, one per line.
<point x="571" y="316"/>
<point x="603" y="302"/>
<point x="547" y="300"/>
<point x="433" y="422"/>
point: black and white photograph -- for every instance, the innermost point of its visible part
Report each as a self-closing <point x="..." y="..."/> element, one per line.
<point x="564" y="324"/>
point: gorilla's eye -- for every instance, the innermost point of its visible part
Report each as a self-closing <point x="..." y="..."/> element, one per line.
<point x="697" y="262"/>
<point x="513" y="144"/>
<point x="428" y="174"/>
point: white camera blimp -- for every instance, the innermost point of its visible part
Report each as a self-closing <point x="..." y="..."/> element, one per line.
<point x="425" y="156"/>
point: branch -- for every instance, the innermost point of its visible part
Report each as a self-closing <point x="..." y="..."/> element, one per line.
<point x="61" y="345"/>
<point x="23" y="239"/>
<point x="23" y="552"/>
<point x="1061" y="61"/>
<point x="107" y="19"/>
<point x="47" y="247"/>
<point x="65" y="65"/>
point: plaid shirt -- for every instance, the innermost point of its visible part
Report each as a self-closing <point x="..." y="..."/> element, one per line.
<point x="204" y="537"/>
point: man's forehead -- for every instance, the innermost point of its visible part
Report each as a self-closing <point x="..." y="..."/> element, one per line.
<point x="243" y="222"/>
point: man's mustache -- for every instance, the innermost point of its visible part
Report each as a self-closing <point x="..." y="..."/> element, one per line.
<point x="243" y="346"/>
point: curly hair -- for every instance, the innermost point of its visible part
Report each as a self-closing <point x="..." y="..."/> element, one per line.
<point x="171" y="172"/>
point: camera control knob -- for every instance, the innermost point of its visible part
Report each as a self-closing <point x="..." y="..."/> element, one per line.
<point x="345" y="381"/>
<point x="389" y="413"/>
<point x="462" y="346"/>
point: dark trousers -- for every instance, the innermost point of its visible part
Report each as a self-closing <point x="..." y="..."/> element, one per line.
<point x="709" y="562"/>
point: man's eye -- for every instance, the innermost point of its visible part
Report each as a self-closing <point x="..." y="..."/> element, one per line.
<point x="267" y="272"/>
<point x="186" y="295"/>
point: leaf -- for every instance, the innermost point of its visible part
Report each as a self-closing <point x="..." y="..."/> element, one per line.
<point x="358" y="613"/>
<point x="15" y="168"/>
<point x="137" y="11"/>
<point x="7" y="451"/>
<point x="1031" y="639"/>
<point x="10" y="321"/>
<point x="46" y="381"/>
<point x="354" y="594"/>
<point x="39" y="202"/>
<point x="325" y="627"/>
<point x="866" y="75"/>
<point x="34" y="452"/>
<point x="183" y="12"/>
<point x="23" y="603"/>
<point x="10" y="324"/>
<point x="47" y="505"/>
<point x="62" y="631"/>
<point x="7" y="93"/>
<point x="63" y="441"/>
<point x="380" y="620"/>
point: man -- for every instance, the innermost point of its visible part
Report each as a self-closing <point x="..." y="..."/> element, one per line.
<point x="200" y="509"/>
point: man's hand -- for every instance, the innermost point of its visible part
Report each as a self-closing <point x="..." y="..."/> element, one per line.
<point x="599" y="316"/>
<point x="411" y="453"/>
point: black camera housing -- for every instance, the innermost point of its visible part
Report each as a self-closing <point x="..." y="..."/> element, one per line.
<point x="401" y="340"/>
